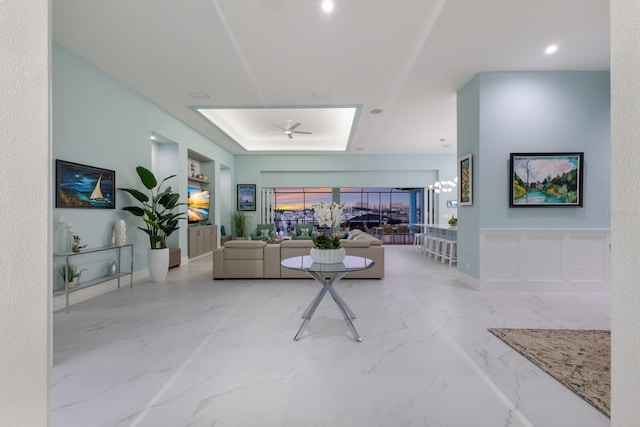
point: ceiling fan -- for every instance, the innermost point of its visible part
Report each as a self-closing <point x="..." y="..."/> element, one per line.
<point x="289" y="130"/>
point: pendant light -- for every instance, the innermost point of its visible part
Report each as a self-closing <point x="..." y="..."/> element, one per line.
<point x="444" y="186"/>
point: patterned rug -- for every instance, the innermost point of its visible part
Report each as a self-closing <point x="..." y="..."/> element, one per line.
<point x="581" y="360"/>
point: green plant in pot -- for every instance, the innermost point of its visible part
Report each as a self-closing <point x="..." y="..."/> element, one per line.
<point x="322" y="241"/>
<point x="453" y="221"/>
<point x="70" y="274"/>
<point x="327" y="250"/>
<point x="159" y="211"/>
<point x="239" y="223"/>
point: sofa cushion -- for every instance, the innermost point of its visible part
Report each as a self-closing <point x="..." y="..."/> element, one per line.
<point x="355" y="243"/>
<point x="361" y="235"/>
<point x="245" y="244"/>
<point x="353" y="233"/>
<point x="369" y="238"/>
<point x="296" y="244"/>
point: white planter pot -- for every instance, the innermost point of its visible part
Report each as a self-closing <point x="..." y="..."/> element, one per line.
<point x="158" y="264"/>
<point x="327" y="256"/>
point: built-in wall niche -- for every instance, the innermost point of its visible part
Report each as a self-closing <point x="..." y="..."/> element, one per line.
<point x="200" y="172"/>
<point x="199" y="168"/>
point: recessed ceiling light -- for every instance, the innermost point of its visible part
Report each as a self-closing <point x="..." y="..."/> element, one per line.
<point x="321" y="94"/>
<point x="327" y="6"/>
<point x="153" y="137"/>
<point x="199" y="95"/>
<point x="376" y="111"/>
<point x="551" y="49"/>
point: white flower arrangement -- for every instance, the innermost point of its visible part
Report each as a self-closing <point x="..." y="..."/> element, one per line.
<point x="328" y="215"/>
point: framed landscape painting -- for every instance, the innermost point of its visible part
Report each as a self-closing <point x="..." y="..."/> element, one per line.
<point x="465" y="180"/>
<point x="82" y="186"/>
<point x="546" y="179"/>
<point x="246" y="197"/>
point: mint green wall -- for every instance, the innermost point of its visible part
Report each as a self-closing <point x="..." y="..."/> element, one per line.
<point x="544" y="112"/>
<point x="99" y="122"/>
<point x="359" y="170"/>
<point x="468" y="105"/>
<point x="504" y="112"/>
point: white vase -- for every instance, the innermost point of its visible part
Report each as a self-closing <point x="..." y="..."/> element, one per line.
<point x="158" y="264"/>
<point x="120" y="232"/>
<point x="327" y="256"/>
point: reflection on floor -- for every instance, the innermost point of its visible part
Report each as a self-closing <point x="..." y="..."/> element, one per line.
<point x="198" y="352"/>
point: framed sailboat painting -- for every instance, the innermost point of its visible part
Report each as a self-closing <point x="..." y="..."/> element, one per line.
<point x="82" y="186"/>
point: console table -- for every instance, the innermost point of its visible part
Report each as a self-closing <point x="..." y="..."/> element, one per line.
<point x="327" y="275"/>
<point x="117" y="275"/>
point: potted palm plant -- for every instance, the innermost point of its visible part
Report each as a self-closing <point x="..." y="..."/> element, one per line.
<point x="239" y="224"/>
<point x="158" y="209"/>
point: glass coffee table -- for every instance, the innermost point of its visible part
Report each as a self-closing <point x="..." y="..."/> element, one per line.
<point x="327" y="275"/>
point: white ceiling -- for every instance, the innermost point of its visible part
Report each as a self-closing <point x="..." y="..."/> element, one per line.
<point x="406" y="57"/>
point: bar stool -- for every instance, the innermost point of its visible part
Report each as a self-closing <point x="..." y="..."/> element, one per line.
<point x="418" y="239"/>
<point x="430" y="243"/>
<point x="439" y="248"/>
<point x="450" y="251"/>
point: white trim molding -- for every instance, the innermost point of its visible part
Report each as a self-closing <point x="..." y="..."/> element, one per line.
<point x="545" y="260"/>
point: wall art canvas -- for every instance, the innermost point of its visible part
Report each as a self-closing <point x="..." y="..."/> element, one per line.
<point x="82" y="186"/>
<point x="465" y="180"/>
<point x="546" y="179"/>
<point x="246" y="197"/>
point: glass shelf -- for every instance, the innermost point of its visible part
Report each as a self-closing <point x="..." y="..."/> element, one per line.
<point x="84" y="251"/>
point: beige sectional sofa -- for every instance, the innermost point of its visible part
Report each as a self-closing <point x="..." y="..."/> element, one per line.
<point x="255" y="259"/>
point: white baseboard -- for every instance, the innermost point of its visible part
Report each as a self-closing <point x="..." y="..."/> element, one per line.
<point x="99" y="289"/>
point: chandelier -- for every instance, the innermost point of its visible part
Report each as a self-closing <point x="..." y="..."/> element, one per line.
<point x="444" y="186"/>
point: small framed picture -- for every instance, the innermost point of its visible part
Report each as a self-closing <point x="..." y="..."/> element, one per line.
<point x="465" y="180"/>
<point x="246" y="197"/>
<point x="82" y="186"/>
<point x="545" y="180"/>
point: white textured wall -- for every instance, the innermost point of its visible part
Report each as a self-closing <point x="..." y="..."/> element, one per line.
<point x="625" y="208"/>
<point x="25" y="209"/>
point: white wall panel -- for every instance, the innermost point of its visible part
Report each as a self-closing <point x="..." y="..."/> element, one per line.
<point x="502" y="256"/>
<point x="545" y="259"/>
<point x="545" y="253"/>
<point x="591" y="260"/>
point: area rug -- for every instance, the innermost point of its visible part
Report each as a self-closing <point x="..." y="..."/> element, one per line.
<point x="579" y="359"/>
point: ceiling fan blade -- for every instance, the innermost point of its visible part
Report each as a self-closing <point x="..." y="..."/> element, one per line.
<point x="300" y="131"/>
<point x="294" y="126"/>
<point x="279" y="127"/>
<point x="290" y="136"/>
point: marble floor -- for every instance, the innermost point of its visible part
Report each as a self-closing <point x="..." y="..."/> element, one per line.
<point x="197" y="352"/>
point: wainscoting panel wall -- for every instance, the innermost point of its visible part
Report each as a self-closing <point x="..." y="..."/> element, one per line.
<point x="545" y="259"/>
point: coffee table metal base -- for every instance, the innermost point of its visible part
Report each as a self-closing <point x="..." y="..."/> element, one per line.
<point x="327" y="286"/>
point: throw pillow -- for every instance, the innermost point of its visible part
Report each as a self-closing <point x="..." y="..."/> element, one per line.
<point x="304" y="232"/>
<point x="264" y="233"/>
